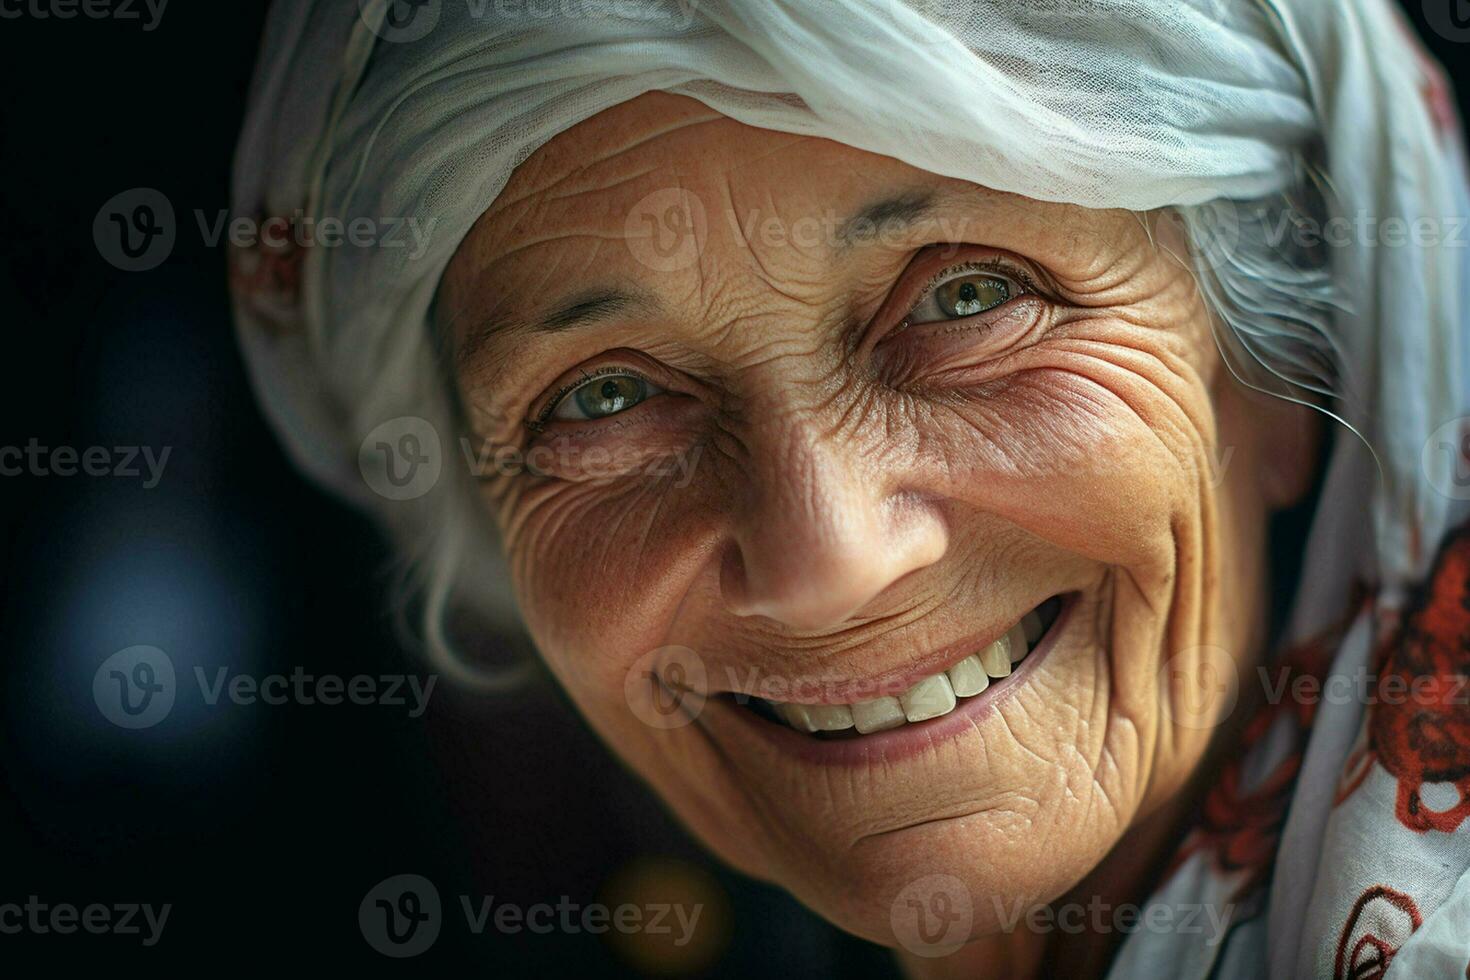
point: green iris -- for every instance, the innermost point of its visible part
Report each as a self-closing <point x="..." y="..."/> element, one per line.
<point x="968" y="295"/>
<point x="602" y="397"/>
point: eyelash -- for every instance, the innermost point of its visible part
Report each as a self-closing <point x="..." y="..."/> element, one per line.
<point x="552" y="403"/>
<point x="992" y="266"/>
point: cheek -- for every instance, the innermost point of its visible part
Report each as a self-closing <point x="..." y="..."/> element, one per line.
<point x="1101" y="448"/>
<point x="601" y="570"/>
<point x="1094" y="446"/>
<point x="597" y="567"/>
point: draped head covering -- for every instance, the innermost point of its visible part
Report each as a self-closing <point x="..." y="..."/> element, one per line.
<point x="404" y="119"/>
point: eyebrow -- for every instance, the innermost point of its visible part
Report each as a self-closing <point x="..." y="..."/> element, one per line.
<point x="588" y="307"/>
<point x="592" y="306"/>
<point x="890" y="214"/>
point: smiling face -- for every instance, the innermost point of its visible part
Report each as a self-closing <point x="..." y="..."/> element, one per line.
<point x="859" y="436"/>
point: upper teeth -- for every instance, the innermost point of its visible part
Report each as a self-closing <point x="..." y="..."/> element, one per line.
<point x="931" y="697"/>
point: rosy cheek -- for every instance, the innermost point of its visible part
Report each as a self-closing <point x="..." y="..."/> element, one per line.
<point x="1070" y="449"/>
<point x="598" y="564"/>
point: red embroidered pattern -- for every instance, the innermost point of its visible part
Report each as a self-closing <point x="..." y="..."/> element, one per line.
<point x="266" y="277"/>
<point x="1380" y="922"/>
<point x="1240" y="828"/>
<point x="1419" y="725"/>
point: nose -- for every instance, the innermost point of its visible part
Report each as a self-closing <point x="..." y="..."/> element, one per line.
<point x="822" y="536"/>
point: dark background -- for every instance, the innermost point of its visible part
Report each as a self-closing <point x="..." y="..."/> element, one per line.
<point x="264" y="827"/>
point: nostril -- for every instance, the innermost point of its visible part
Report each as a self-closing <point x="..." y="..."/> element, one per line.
<point x="734" y="587"/>
<point x="806" y="592"/>
<point x="818" y="582"/>
<point x="817" y="565"/>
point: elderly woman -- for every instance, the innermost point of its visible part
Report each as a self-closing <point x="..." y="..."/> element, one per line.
<point x="876" y="415"/>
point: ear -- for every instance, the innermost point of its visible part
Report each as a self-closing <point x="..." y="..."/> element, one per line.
<point x="1291" y="443"/>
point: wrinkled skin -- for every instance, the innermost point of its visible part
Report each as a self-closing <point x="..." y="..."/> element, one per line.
<point x="864" y="494"/>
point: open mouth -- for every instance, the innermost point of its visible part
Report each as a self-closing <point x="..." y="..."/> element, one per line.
<point x="931" y="697"/>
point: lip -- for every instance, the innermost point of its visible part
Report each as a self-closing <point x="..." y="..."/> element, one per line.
<point x="895" y="744"/>
<point x="819" y="690"/>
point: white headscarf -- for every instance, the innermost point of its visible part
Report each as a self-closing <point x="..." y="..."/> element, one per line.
<point x="388" y="110"/>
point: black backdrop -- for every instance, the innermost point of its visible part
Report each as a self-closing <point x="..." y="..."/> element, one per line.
<point x="263" y="827"/>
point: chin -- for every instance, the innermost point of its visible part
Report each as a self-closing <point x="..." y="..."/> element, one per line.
<point x="935" y="816"/>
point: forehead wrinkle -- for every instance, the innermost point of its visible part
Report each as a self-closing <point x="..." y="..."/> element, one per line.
<point x="909" y="206"/>
<point x="707" y="118"/>
<point x="788" y="280"/>
<point x="498" y="320"/>
<point x="555" y="191"/>
<point x="538" y="196"/>
<point x="556" y="194"/>
<point x="557" y="235"/>
<point x="561" y="145"/>
<point x="792" y="139"/>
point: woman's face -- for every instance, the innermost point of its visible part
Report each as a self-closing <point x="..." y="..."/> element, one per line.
<point x="807" y="426"/>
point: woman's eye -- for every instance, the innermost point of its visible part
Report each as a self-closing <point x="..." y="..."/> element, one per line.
<point x="962" y="294"/>
<point x="602" y="396"/>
